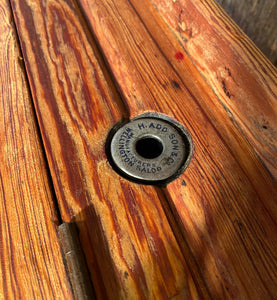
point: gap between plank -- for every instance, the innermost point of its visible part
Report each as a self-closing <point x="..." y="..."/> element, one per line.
<point x="73" y="256"/>
<point x="40" y="140"/>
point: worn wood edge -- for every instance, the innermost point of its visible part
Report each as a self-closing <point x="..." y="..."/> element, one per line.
<point x="216" y="195"/>
<point x="149" y="104"/>
<point x="66" y="205"/>
<point x="222" y="71"/>
<point x="31" y="259"/>
<point x="153" y="259"/>
<point x="258" y="21"/>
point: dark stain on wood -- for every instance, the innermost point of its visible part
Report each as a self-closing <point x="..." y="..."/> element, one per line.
<point x="175" y="84"/>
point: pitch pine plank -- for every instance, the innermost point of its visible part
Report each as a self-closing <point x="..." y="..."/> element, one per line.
<point x="244" y="81"/>
<point x="224" y="203"/>
<point x="130" y="248"/>
<point x="31" y="264"/>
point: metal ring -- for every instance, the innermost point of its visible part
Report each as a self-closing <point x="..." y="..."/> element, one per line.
<point x="150" y="149"/>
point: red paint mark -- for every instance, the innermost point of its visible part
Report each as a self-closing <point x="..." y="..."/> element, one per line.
<point x="179" y="55"/>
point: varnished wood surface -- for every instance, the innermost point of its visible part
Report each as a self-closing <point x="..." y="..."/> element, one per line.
<point x="211" y="234"/>
<point x="31" y="264"/>
<point x="225" y="201"/>
<point x="239" y="74"/>
<point x="130" y="248"/>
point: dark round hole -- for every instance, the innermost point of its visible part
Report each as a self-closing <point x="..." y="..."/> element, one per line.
<point x="149" y="147"/>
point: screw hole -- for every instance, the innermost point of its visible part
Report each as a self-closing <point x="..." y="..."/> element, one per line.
<point x="149" y="147"/>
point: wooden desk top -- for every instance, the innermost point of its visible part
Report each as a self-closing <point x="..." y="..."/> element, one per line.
<point x="77" y="69"/>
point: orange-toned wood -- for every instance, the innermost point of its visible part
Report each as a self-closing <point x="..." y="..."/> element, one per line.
<point x="225" y="203"/>
<point x="239" y="74"/>
<point x="31" y="264"/>
<point x="131" y="250"/>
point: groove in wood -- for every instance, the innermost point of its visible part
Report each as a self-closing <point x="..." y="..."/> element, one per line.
<point x="244" y="81"/>
<point x="130" y="248"/>
<point x="31" y="264"/>
<point x="226" y="211"/>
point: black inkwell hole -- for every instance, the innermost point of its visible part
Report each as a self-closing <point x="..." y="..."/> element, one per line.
<point x="149" y="147"/>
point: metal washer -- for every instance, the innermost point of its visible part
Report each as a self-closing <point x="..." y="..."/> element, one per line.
<point x="164" y="152"/>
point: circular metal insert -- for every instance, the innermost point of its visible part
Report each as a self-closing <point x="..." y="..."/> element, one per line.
<point x="151" y="149"/>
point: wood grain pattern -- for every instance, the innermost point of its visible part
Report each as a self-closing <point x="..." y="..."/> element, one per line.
<point x="225" y="202"/>
<point x="258" y="20"/>
<point x="241" y="77"/>
<point x="130" y="248"/>
<point x="31" y="264"/>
